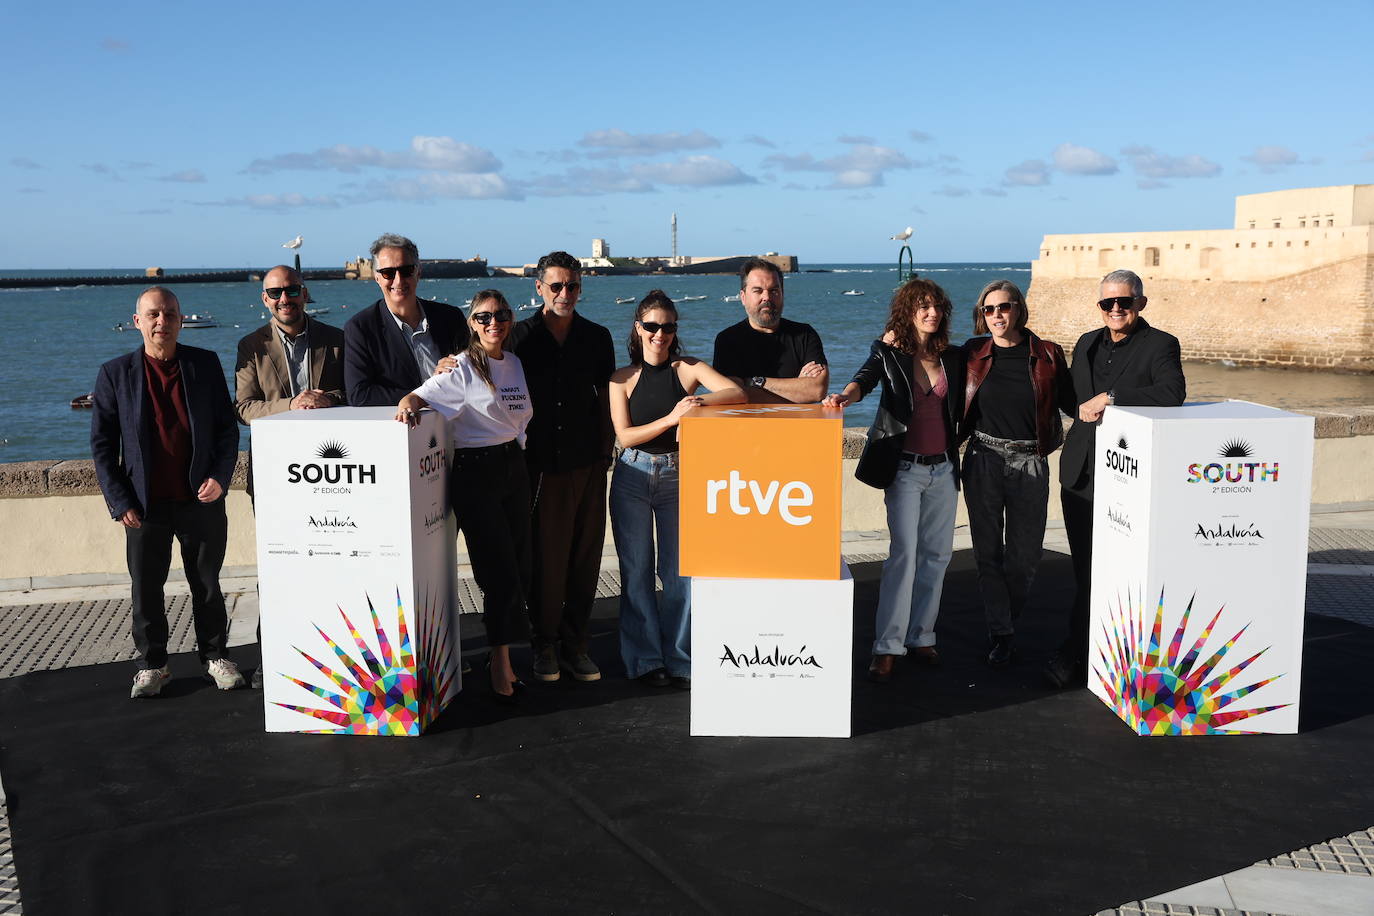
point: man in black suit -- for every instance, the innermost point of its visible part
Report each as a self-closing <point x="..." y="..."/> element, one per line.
<point x="1128" y="363"/>
<point x="164" y="438"/>
<point x="400" y="340"/>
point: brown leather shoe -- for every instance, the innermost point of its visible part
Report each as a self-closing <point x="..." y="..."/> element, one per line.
<point x="925" y="656"/>
<point x="880" y="669"/>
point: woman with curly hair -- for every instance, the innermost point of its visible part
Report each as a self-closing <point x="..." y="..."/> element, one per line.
<point x="912" y="456"/>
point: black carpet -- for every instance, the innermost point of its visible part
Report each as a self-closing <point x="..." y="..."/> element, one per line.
<point x="963" y="791"/>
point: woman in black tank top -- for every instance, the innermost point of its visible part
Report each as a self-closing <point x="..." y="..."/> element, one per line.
<point x="648" y="397"/>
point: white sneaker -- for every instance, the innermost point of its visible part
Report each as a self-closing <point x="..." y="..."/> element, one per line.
<point x="148" y="682"/>
<point x="224" y="673"/>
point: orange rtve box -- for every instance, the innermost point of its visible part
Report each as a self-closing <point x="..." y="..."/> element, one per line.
<point x="759" y="492"/>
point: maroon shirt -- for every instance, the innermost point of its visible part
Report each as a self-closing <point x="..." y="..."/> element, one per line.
<point x="170" y="468"/>
<point x="925" y="431"/>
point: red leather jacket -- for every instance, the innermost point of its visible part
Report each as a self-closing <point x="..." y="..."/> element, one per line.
<point x="1049" y="378"/>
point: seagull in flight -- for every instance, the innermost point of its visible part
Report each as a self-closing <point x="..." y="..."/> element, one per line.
<point x="903" y="235"/>
<point x="296" y="242"/>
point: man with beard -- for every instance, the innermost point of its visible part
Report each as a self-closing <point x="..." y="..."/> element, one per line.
<point x="775" y="361"/>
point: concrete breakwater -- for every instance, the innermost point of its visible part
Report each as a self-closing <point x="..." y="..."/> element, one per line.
<point x="58" y="532"/>
<point x="169" y="279"/>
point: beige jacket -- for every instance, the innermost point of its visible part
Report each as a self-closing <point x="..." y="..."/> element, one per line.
<point x="262" y="379"/>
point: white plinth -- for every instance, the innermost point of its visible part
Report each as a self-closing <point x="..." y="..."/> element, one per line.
<point x="356" y="571"/>
<point x="772" y="657"/>
<point x="1200" y="567"/>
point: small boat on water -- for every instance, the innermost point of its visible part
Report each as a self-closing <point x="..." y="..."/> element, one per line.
<point x="199" y="321"/>
<point x="691" y="298"/>
<point x="734" y="298"/>
<point x="83" y="401"/>
<point x="314" y="312"/>
<point x="625" y="300"/>
<point x="532" y="304"/>
<point x="852" y="292"/>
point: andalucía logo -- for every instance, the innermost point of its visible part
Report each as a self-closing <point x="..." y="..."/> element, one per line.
<point x="1121" y="463"/>
<point x="775" y="659"/>
<point x="1119" y="518"/>
<point x="331" y="521"/>
<point x="1228" y="531"/>
<point x="1224" y="474"/>
<point x="331" y="469"/>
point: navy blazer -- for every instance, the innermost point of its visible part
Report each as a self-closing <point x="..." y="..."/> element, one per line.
<point x="122" y="434"/>
<point x="379" y="366"/>
<point x="1150" y="374"/>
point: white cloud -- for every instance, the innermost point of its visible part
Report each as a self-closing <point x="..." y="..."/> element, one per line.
<point x="1031" y="173"/>
<point x="290" y="201"/>
<point x="760" y="141"/>
<point x="1150" y="184"/>
<point x="442" y="154"/>
<point x="920" y="136"/>
<point x="1082" y="160"/>
<point x="855" y="139"/>
<point x="24" y="162"/>
<point x="187" y="176"/>
<point x="951" y="191"/>
<point x="1272" y="159"/>
<point x="606" y="144"/>
<point x="692" y="171"/>
<point x="442" y="186"/>
<point x="862" y="167"/>
<point x="580" y="182"/>
<point x="993" y="192"/>
<point x="1151" y="164"/>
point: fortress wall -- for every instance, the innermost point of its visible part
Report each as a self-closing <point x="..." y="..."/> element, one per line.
<point x="1317" y="318"/>
<point x="1213" y="255"/>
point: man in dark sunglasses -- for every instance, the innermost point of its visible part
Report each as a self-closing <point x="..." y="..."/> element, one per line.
<point x="568" y="362"/>
<point x="400" y="340"/>
<point x="1125" y="362"/>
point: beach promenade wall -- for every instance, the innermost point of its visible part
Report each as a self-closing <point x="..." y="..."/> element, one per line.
<point x="55" y="530"/>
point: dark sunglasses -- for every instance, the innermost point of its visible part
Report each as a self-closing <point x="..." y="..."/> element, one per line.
<point x="571" y="286"/>
<point x="1121" y="302"/>
<point x="274" y="292"/>
<point x="653" y="327"/>
<point x="405" y="270"/>
<point x="486" y="318"/>
<point x="1000" y="308"/>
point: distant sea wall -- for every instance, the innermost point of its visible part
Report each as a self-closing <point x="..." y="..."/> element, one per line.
<point x="58" y="532"/>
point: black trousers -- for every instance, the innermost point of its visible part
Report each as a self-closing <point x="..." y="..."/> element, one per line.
<point x="490" y="493"/>
<point x="1006" y="519"/>
<point x="1077" y="503"/>
<point x="569" y="532"/>
<point x="202" y="530"/>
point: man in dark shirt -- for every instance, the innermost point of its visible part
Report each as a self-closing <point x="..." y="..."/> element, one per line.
<point x="1129" y="363"/>
<point x="164" y="438"/>
<point x="774" y="360"/>
<point x="400" y="340"/>
<point x="568" y="362"/>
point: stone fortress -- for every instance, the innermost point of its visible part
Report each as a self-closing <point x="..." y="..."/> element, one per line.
<point x="1292" y="284"/>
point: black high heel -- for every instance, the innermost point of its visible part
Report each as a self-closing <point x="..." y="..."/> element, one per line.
<point x="505" y="699"/>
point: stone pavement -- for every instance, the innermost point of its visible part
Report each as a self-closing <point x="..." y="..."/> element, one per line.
<point x="86" y="623"/>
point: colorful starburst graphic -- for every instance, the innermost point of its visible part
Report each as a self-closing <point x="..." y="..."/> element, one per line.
<point x="387" y="692"/>
<point x="1157" y="690"/>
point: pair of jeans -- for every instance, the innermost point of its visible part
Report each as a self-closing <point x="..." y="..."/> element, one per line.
<point x="653" y="633"/>
<point x="1006" y="518"/>
<point x="202" y="529"/>
<point x="921" y="502"/>
<point x="490" y="493"/>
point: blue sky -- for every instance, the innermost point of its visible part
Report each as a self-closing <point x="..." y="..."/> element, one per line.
<point x="206" y="135"/>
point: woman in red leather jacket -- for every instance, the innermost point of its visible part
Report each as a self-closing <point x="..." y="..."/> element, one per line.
<point x="1015" y="386"/>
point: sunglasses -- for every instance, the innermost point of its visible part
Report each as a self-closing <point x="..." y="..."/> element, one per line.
<point x="486" y="318"/>
<point x="653" y="327"/>
<point x="405" y="270"/>
<point x="1000" y="308"/>
<point x="571" y="286"/>
<point x="274" y="292"/>
<point x="1121" y="302"/>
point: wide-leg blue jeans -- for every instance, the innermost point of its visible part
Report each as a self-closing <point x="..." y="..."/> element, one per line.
<point x="921" y="502"/>
<point x="654" y="632"/>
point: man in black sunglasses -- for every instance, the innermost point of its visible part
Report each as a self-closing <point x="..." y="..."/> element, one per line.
<point x="568" y="362"/>
<point x="400" y="340"/>
<point x="1125" y="362"/>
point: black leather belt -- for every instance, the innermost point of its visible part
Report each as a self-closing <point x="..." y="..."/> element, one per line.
<point x="924" y="459"/>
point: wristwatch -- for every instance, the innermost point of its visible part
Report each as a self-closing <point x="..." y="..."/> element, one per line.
<point x="756" y="382"/>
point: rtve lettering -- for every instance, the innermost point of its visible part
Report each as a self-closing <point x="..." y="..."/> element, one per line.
<point x="792" y="495"/>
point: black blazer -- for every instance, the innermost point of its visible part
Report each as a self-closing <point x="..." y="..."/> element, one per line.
<point x="122" y="434"/>
<point x="1149" y="374"/>
<point x="893" y="368"/>
<point x="379" y="367"/>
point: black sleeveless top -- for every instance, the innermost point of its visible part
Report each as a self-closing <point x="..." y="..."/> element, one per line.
<point x="655" y="395"/>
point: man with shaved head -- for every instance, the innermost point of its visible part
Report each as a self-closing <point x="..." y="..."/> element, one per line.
<point x="164" y="438"/>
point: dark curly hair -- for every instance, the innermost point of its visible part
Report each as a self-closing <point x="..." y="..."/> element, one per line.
<point x="901" y="318"/>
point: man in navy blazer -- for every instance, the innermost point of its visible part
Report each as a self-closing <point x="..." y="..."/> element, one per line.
<point x="1125" y="362"/>
<point x="400" y="340"/>
<point x="164" y="438"/>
